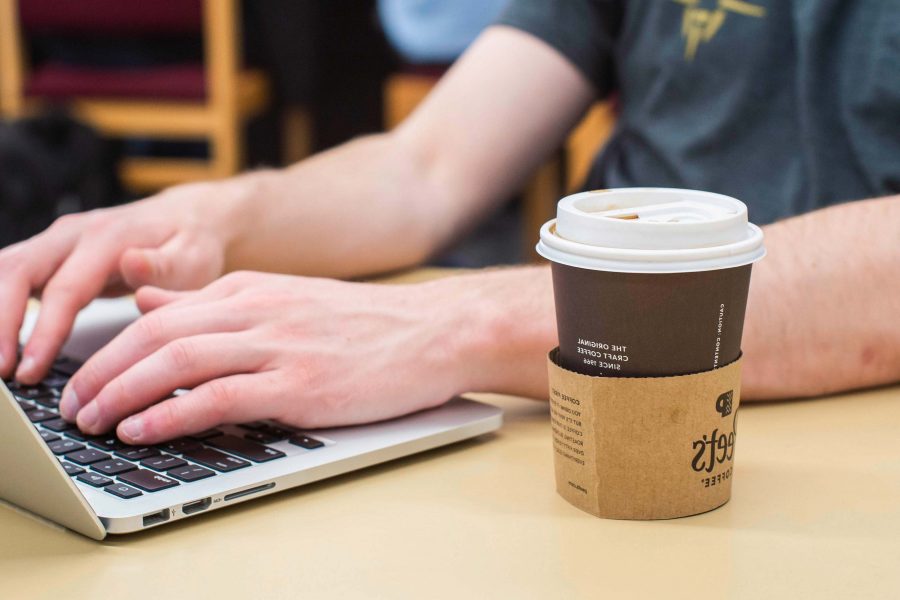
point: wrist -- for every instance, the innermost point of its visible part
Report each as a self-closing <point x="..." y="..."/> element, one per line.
<point x="500" y="326"/>
<point x="227" y="208"/>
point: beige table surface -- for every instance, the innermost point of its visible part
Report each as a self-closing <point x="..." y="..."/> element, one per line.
<point x="815" y="514"/>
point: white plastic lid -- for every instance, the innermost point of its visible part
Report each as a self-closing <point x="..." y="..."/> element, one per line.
<point x="651" y="230"/>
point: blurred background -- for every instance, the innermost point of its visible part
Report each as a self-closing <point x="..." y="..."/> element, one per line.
<point x="107" y="101"/>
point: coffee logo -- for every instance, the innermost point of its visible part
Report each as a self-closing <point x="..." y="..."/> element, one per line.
<point x="723" y="403"/>
<point x="718" y="447"/>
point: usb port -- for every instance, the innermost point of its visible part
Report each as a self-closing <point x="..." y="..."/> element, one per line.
<point x="197" y="506"/>
<point x="156" y="518"/>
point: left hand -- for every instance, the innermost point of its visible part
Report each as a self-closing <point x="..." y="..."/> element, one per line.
<point x="306" y="352"/>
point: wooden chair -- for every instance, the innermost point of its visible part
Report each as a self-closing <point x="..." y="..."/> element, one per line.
<point x="208" y="101"/>
<point x="404" y="91"/>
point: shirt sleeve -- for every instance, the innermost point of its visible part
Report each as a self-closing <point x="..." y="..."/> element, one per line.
<point x="583" y="31"/>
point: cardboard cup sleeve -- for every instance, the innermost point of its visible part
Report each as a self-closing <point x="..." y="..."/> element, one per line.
<point x="644" y="447"/>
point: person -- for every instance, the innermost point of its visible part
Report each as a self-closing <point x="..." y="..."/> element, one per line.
<point x="791" y="106"/>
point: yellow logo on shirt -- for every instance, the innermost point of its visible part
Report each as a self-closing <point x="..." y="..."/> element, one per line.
<point x="701" y="24"/>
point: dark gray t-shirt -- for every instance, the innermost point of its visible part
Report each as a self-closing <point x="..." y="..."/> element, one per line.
<point x="788" y="105"/>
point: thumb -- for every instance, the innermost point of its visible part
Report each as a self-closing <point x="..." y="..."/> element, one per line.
<point x="183" y="262"/>
<point x="150" y="298"/>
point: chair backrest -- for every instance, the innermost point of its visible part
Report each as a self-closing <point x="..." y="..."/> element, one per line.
<point x="111" y="17"/>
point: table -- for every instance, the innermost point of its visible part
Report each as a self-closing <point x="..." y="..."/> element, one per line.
<point x="815" y="513"/>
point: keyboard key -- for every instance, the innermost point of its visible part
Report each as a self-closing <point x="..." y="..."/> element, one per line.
<point x="57" y="425"/>
<point x="262" y="438"/>
<point x="180" y="445"/>
<point x="72" y="470"/>
<point x="253" y="426"/>
<point x="189" y="473"/>
<point x="94" y="479"/>
<point x="106" y="442"/>
<point x="216" y="460"/>
<point x="279" y="433"/>
<point x="55" y="380"/>
<point x="40" y="414"/>
<point x="136" y="452"/>
<point x="26" y="406"/>
<point x="304" y="441"/>
<point x="163" y="462"/>
<point x="113" y="466"/>
<point x="244" y="448"/>
<point x="123" y="491"/>
<point x="88" y="456"/>
<point x="48" y="401"/>
<point x="63" y="446"/>
<point x="66" y="366"/>
<point x="49" y="436"/>
<point x="149" y="481"/>
<point x="79" y="435"/>
<point x="205" y="434"/>
<point x="32" y="392"/>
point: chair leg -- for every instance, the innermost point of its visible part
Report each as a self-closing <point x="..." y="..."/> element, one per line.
<point x="297" y="130"/>
<point x="226" y="149"/>
<point x="539" y="204"/>
<point x="12" y="61"/>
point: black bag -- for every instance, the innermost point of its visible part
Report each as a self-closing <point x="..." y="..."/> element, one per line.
<point x="49" y="166"/>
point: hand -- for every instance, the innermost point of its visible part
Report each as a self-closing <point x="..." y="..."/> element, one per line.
<point x="307" y="352"/>
<point x="174" y="240"/>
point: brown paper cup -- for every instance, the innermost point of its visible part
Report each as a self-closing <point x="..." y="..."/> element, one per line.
<point x="651" y="289"/>
<point x="644" y="447"/>
<point x="638" y="324"/>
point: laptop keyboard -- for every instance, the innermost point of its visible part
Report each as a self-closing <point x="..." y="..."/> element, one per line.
<point x="105" y="462"/>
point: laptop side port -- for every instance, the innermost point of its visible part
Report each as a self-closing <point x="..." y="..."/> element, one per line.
<point x="249" y="491"/>
<point x="196" y="506"/>
<point x="156" y="518"/>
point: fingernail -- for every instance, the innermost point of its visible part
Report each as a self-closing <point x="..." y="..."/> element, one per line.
<point x="88" y="417"/>
<point x="133" y="428"/>
<point x="25" y="366"/>
<point x="68" y="406"/>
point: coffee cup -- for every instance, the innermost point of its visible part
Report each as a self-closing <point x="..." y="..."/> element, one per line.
<point x="651" y="288"/>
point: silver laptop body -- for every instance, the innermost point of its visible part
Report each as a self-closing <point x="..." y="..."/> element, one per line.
<point x="32" y="477"/>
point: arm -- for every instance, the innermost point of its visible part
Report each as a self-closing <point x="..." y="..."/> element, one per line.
<point x="389" y="201"/>
<point x="824" y="308"/>
<point x="319" y="353"/>
<point x="823" y="314"/>
<point x="376" y="204"/>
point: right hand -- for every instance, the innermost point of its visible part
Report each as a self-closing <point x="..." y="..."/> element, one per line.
<point x="174" y="240"/>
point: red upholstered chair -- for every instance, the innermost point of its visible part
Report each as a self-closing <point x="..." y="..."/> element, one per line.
<point x="201" y="100"/>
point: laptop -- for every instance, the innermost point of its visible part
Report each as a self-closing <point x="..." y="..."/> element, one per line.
<point x="98" y="486"/>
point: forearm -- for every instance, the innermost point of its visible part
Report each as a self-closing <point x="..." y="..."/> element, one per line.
<point x="361" y="208"/>
<point x="388" y="201"/>
<point x="824" y="308"/>
<point x="823" y="314"/>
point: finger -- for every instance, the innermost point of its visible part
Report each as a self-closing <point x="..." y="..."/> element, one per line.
<point x="14" y="301"/>
<point x="151" y="298"/>
<point x="79" y="280"/>
<point x="183" y="262"/>
<point x="140" y="339"/>
<point x="235" y="399"/>
<point x="183" y="363"/>
<point x="24" y="267"/>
